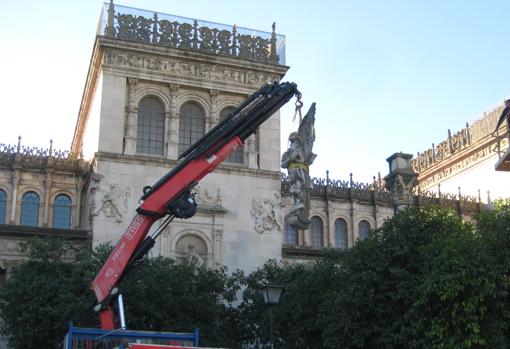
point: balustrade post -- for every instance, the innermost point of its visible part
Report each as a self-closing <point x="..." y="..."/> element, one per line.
<point x="273" y="57"/>
<point x="155" y="29"/>
<point x="109" y="30"/>
<point x="234" y="41"/>
<point x="195" y="35"/>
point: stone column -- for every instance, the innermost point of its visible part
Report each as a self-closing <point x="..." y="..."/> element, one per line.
<point x="47" y="187"/>
<point x="214" y="116"/>
<point x="132" y="116"/>
<point x="217" y="237"/>
<point x="173" y="124"/>
<point x="79" y="188"/>
<point x="251" y="145"/>
<point x="15" y="182"/>
<point x="401" y="180"/>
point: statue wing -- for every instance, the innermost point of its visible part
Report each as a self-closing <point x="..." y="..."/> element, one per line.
<point x="306" y="132"/>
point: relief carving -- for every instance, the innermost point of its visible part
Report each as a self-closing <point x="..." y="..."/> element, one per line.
<point x="204" y="197"/>
<point x="266" y="214"/>
<point x="186" y="69"/>
<point x="114" y="202"/>
<point x="456" y="167"/>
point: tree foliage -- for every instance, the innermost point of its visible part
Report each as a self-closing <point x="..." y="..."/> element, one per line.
<point x="52" y="288"/>
<point x="425" y="279"/>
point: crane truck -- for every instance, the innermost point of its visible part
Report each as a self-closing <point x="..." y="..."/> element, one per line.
<point x="171" y="196"/>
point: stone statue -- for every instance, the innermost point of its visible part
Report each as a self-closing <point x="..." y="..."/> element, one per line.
<point x="193" y="258"/>
<point x="297" y="160"/>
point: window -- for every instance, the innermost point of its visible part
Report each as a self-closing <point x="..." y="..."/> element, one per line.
<point x="341" y="234"/>
<point x="291" y="234"/>
<point x="151" y="127"/>
<point x="363" y="228"/>
<point x="237" y="157"/>
<point x="191" y="125"/>
<point x="3" y="206"/>
<point x="317" y="232"/>
<point x="62" y="212"/>
<point x="30" y="209"/>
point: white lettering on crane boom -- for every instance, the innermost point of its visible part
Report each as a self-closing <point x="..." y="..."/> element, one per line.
<point x="133" y="228"/>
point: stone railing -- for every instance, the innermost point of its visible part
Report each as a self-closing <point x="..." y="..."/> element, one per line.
<point x="454" y="144"/>
<point x="343" y="190"/>
<point x="126" y="23"/>
<point x="35" y="157"/>
<point x="375" y="193"/>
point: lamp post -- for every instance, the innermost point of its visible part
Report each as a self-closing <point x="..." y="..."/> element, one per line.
<point x="271" y="295"/>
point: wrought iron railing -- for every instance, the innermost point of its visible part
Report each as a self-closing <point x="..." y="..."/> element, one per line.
<point x="132" y="24"/>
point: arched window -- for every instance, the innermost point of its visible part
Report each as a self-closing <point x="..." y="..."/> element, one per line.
<point x="363" y="228"/>
<point x="341" y="234"/>
<point x="317" y="232"/>
<point x="191" y="125"/>
<point x="62" y="212"/>
<point x="3" y="206"/>
<point x="237" y="157"/>
<point x="291" y="234"/>
<point x="151" y="127"/>
<point x="30" y="209"/>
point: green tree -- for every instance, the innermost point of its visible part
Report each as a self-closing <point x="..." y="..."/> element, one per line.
<point x="425" y="279"/>
<point x="44" y="293"/>
<point x="52" y="287"/>
<point x="296" y="316"/>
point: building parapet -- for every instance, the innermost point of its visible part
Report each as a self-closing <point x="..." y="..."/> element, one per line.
<point x="454" y="144"/>
<point x="344" y="190"/>
<point x="40" y="158"/>
<point x="375" y="193"/>
<point x="131" y="24"/>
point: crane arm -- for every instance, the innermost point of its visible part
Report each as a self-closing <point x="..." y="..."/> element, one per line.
<point x="171" y="194"/>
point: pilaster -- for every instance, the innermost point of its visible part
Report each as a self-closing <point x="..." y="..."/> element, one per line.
<point x="217" y="238"/>
<point x="47" y="187"/>
<point x="15" y="182"/>
<point x="173" y="124"/>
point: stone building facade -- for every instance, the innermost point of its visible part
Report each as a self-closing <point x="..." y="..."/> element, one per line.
<point x="40" y="195"/>
<point x="156" y="83"/>
<point x="465" y="163"/>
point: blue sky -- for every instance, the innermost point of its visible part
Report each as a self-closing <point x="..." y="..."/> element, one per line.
<point x="387" y="76"/>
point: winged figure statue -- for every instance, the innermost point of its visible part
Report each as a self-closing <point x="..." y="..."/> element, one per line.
<point x="296" y="160"/>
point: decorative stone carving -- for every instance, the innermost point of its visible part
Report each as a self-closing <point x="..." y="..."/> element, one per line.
<point x="193" y="258"/>
<point x="191" y="249"/>
<point x="454" y="168"/>
<point x="172" y="31"/>
<point x="181" y="68"/>
<point x="114" y="203"/>
<point x="266" y="214"/>
<point x="461" y="140"/>
<point x="204" y="197"/>
<point x="297" y="160"/>
<point x="401" y="180"/>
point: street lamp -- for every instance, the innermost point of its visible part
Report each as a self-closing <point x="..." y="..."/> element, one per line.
<point x="271" y="294"/>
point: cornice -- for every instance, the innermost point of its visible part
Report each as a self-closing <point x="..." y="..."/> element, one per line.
<point x="144" y="160"/>
<point x="465" y="159"/>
